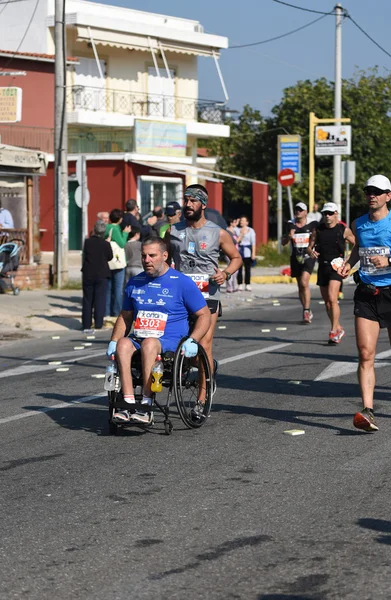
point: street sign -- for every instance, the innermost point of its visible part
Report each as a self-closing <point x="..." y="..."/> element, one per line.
<point x="333" y="140"/>
<point x="348" y="172"/>
<point x="289" y="154"/>
<point x="79" y="199"/>
<point x="286" y="177"/>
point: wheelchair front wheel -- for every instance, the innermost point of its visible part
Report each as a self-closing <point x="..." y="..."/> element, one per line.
<point x="187" y="378"/>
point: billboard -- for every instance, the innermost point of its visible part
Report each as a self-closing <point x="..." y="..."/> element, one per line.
<point x="333" y="140"/>
<point x="160" y="138"/>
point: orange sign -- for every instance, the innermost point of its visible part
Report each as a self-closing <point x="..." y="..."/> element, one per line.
<point x="10" y="104"/>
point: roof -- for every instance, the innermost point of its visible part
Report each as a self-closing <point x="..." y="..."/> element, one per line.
<point x="35" y="56"/>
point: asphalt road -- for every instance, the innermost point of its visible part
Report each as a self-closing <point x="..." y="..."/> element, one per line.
<point x="237" y="509"/>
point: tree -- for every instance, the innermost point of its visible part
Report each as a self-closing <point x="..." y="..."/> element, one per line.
<point x="252" y="149"/>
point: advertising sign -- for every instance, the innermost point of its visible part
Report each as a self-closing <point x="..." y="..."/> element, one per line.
<point x="10" y="104"/>
<point x="289" y="154"/>
<point x="160" y="138"/>
<point x="333" y="140"/>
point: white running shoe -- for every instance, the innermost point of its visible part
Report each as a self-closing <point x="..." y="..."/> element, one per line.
<point x="248" y="288"/>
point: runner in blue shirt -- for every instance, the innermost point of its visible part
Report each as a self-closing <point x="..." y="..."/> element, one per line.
<point x="157" y="305"/>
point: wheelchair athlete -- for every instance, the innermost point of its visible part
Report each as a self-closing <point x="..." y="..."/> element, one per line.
<point x="158" y="303"/>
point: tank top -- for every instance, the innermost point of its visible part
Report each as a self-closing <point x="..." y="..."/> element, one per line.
<point x="374" y="239"/>
<point x="330" y="242"/>
<point x="301" y="239"/>
<point x="196" y="253"/>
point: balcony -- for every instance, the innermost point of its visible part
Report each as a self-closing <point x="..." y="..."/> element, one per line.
<point x="136" y="104"/>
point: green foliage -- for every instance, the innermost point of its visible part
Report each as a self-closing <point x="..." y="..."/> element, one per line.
<point x="251" y="150"/>
<point x="271" y="257"/>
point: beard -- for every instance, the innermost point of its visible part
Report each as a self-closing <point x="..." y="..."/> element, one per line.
<point x="193" y="215"/>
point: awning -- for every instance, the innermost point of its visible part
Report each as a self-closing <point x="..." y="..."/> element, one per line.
<point x="117" y="39"/>
<point x="12" y="157"/>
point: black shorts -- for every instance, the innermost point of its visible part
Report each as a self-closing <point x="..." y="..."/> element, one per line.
<point x="374" y="308"/>
<point x="214" y="306"/>
<point x="326" y="273"/>
<point x="298" y="268"/>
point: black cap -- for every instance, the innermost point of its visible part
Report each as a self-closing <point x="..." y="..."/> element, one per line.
<point x="171" y="208"/>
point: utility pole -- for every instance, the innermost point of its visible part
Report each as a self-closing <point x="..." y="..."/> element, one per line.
<point x="60" y="149"/>
<point x="338" y="100"/>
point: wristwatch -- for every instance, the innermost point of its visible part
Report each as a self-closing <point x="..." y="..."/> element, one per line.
<point x="227" y="275"/>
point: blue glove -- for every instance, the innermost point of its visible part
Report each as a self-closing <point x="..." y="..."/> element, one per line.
<point x="111" y="349"/>
<point x="190" y="348"/>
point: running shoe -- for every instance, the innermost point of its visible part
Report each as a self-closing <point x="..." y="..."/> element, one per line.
<point x="197" y="413"/>
<point x="121" y="416"/>
<point x="341" y="296"/>
<point x="142" y="417"/>
<point x="336" y="336"/>
<point x="240" y="287"/>
<point x="248" y="288"/>
<point x="307" y="316"/>
<point x="365" y="420"/>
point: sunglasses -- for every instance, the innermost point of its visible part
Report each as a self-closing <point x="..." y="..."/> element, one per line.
<point x="298" y="209"/>
<point x="374" y="191"/>
<point x="328" y="213"/>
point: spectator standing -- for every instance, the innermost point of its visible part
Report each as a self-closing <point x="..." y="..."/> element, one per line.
<point x="6" y="220"/>
<point x="132" y="217"/>
<point x="115" y="285"/>
<point x="246" y="241"/>
<point x="97" y="253"/>
<point x="103" y="216"/>
<point x="314" y="215"/>
<point x="133" y="255"/>
<point x="232" y="284"/>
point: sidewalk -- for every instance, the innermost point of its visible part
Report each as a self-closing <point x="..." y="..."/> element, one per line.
<point x="59" y="310"/>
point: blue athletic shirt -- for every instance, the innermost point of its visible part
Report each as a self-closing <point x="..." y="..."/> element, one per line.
<point x="161" y="306"/>
<point x="374" y="238"/>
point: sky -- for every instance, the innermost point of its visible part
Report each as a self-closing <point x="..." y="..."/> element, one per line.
<point x="257" y="76"/>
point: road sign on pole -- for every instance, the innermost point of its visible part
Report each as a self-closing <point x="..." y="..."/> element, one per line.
<point x="289" y="154"/>
<point x="286" y="177"/>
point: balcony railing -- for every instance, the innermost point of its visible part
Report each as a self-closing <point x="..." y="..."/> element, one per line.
<point x="143" y="105"/>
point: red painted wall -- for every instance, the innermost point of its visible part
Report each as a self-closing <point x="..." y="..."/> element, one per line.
<point x="260" y="208"/>
<point x="38" y="90"/>
<point x="215" y="195"/>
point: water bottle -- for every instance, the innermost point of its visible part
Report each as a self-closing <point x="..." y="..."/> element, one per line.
<point x="110" y="376"/>
<point x="157" y="375"/>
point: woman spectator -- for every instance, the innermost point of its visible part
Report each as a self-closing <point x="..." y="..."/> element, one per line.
<point x="232" y="283"/>
<point x="246" y="242"/>
<point x="96" y="255"/>
<point x="118" y="238"/>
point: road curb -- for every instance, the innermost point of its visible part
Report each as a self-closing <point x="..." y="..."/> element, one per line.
<point x="277" y="279"/>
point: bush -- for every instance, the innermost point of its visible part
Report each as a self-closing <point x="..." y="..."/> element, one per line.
<point x="268" y="256"/>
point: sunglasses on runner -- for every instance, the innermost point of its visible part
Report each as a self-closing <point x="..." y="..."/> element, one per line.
<point x="298" y="209"/>
<point x="328" y="213"/>
<point x="374" y="191"/>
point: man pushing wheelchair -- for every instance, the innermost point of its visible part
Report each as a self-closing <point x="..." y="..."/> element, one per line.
<point x="158" y="303"/>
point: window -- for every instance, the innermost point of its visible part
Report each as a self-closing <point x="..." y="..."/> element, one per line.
<point x="158" y="191"/>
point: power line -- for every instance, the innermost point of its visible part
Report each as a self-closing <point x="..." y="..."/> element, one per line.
<point x="278" y="37"/>
<point x="301" y="8"/>
<point x="23" y="38"/>
<point x="367" y="35"/>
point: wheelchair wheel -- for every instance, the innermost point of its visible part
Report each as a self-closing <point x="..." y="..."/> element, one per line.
<point x="186" y="384"/>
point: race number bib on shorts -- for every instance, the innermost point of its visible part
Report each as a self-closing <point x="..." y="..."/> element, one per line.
<point x="202" y="282"/>
<point x="301" y="240"/>
<point x="149" y="323"/>
<point x="366" y="265"/>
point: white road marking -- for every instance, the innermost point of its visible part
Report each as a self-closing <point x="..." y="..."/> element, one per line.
<point x="34" y="368"/>
<point x="224" y="361"/>
<point x="339" y="369"/>
<point x="46" y="409"/>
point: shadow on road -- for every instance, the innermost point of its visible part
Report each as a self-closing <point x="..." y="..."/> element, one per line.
<point x="379" y="525"/>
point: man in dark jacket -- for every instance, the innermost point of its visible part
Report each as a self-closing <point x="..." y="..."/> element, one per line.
<point x="97" y="253"/>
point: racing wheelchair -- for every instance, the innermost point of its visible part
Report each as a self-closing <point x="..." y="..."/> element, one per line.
<point x="180" y="378"/>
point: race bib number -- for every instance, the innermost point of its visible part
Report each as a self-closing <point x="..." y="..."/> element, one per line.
<point x="366" y="265"/>
<point x="301" y="240"/>
<point x="202" y="282"/>
<point x="149" y="323"/>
